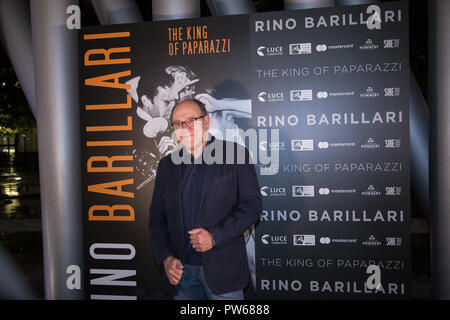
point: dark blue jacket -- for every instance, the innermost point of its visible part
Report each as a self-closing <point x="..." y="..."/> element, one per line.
<point x="230" y="203"/>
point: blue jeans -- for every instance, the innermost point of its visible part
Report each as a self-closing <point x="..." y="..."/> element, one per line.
<point x="193" y="286"/>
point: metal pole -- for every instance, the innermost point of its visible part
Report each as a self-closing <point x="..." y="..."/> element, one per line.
<point x="354" y="2"/>
<point x="117" y="11"/>
<point x="175" y="9"/>
<point x="439" y="95"/>
<point x="307" y="4"/>
<point x="15" y="34"/>
<point x="57" y="100"/>
<point x="419" y="133"/>
<point x="230" y="7"/>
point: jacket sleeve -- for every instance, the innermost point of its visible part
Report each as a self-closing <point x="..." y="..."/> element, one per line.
<point x="159" y="233"/>
<point x="247" y="210"/>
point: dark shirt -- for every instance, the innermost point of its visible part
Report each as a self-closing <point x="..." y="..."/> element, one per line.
<point x="191" y="191"/>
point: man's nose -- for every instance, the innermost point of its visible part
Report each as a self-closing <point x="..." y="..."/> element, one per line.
<point x="188" y="126"/>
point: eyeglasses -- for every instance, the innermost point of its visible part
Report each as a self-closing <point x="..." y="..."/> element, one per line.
<point x="189" y="123"/>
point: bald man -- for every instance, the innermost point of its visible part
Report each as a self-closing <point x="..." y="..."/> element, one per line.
<point x="200" y="210"/>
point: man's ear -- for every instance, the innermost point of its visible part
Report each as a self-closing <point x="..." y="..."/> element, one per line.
<point x="206" y="120"/>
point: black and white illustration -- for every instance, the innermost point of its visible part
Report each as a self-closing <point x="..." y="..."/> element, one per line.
<point x="154" y="101"/>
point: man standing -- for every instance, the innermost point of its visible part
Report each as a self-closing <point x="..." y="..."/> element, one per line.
<point x="201" y="209"/>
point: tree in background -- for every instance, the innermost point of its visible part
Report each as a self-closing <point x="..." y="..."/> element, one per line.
<point x="15" y="114"/>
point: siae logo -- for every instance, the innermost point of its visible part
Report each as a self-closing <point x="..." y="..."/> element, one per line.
<point x="391" y="43"/>
<point x="393" y="191"/>
<point x="393" y="241"/>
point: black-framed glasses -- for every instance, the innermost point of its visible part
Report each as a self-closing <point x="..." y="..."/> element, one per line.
<point x="189" y="123"/>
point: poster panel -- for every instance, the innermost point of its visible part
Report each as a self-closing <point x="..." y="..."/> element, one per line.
<point x="333" y="89"/>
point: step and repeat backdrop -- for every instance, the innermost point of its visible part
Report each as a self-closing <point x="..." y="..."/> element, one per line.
<point x="323" y="94"/>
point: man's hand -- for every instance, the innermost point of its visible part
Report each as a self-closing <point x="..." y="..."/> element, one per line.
<point x="154" y="126"/>
<point x="211" y="103"/>
<point x="201" y="240"/>
<point x="174" y="269"/>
